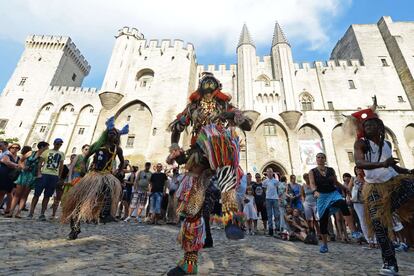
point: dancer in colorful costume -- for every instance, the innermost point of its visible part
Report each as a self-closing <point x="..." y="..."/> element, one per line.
<point x="96" y="195"/>
<point x="215" y="151"/>
<point x="388" y="188"/>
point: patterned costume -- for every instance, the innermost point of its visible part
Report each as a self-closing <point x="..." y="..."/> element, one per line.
<point x="96" y="195"/>
<point x="214" y="151"/>
<point x="388" y="188"/>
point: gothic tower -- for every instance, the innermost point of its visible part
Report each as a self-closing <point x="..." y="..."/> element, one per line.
<point x="246" y="66"/>
<point x="282" y="65"/>
<point x="127" y="44"/>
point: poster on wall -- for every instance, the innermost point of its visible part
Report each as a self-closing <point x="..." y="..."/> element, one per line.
<point x="308" y="151"/>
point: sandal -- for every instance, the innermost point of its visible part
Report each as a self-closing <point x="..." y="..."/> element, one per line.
<point x="8" y="215"/>
<point x="17" y="216"/>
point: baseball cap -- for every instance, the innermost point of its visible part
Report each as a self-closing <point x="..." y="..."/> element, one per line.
<point x="58" y="141"/>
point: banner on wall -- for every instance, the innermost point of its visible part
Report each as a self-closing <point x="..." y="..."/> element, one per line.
<point x="308" y="151"/>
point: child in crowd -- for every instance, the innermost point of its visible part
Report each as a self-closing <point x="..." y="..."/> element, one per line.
<point x="250" y="209"/>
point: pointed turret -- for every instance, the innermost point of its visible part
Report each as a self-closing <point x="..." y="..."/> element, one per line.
<point x="282" y="65"/>
<point x="245" y="38"/>
<point x="246" y="69"/>
<point x="279" y="36"/>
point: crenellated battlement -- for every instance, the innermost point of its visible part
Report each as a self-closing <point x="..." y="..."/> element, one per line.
<point x="71" y="90"/>
<point x="330" y="65"/>
<point x="63" y="43"/>
<point x="165" y="44"/>
<point x="221" y="68"/>
<point x="134" y="32"/>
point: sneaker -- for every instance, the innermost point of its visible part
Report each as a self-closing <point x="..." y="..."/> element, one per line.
<point x="401" y="247"/>
<point x="29" y="216"/>
<point x="388" y="270"/>
<point x="323" y="248"/>
<point x="139" y="219"/>
<point x="127" y="219"/>
<point x="356" y="235"/>
<point x="42" y="218"/>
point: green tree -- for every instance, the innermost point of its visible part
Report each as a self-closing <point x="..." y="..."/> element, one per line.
<point x="8" y="139"/>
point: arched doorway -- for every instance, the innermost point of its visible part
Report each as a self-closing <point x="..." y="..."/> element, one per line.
<point x="271" y="143"/>
<point x="139" y="117"/>
<point x="390" y="136"/>
<point x="409" y="137"/>
<point x="344" y="150"/>
<point x="277" y="168"/>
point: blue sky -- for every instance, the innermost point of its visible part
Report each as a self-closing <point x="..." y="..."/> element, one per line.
<point x="311" y="26"/>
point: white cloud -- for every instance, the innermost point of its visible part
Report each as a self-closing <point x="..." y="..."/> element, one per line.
<point x="94" y="22"/>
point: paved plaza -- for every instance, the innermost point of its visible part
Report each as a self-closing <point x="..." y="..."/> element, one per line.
<point x="31" y="247"/>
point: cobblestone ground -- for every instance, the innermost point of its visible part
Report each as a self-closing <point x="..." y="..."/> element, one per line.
<point x="31" y="247"/>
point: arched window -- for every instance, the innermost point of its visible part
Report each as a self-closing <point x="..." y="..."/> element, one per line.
<point x="73" y="150"/>
<point x="264" y="78"/>
<point x="306" y="100"/>
<point x="145" y="77"/>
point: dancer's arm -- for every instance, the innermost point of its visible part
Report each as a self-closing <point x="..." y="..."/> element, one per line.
<point x="360" y="150"/>
<point x="313" y="184"/>
<point x="120" y="154"/>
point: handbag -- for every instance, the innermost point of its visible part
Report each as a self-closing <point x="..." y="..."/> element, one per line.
<point x="356" y="192"/>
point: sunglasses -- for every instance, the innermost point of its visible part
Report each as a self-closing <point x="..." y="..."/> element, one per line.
<point x="15" y="148"/>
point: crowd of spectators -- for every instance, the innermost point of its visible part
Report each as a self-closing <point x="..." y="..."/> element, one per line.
<point x="273" y="206"/>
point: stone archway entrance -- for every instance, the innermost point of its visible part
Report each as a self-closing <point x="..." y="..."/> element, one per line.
<point x="277" y="168"/>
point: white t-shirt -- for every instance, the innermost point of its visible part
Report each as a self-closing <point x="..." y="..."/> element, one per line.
<point x="379" y="175"/>
<point x="271" y="186"/>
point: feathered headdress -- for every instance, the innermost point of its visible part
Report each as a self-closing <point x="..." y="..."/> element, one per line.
<point x="353" y="124"/>
<point x="110" y="124"/>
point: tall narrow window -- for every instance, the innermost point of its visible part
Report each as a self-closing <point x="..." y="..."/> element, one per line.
<point x="351" y="156"/>
<point x="81" y="131"/>
<point x="22" y="81"/>
<point x="74" y="150"/>
<point x="351" y="84"/>
<point x="384" y="62"/>
<point x="330" y="106"/>
<point x="73" y="77"/>
<point x="129" y="118"/>
<point x="19" y="102"/>
<point x="130" y="141"/>
<point x="3" y="123"/>
<point x="42" y="129"/>
<point x="400" y="99"/>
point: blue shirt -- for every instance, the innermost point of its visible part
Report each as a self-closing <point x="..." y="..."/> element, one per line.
<point x="271" y="186"/>
<point x="241" y="190"/>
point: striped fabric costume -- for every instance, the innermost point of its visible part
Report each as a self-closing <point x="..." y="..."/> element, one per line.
<point x="214" y="151"/>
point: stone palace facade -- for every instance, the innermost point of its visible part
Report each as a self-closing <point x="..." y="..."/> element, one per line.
<point x="298" y="108"/>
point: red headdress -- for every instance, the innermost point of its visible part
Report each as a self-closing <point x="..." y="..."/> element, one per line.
<point x="353" y="125"/>
<point x="360" y="117"/>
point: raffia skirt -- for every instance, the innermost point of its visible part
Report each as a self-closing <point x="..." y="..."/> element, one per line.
<point x="382" y="208"/>
<point x="84" y="202"/>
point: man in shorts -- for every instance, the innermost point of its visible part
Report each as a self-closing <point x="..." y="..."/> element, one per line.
<point x="259" y="193"/>
<point x="50" y="168"/>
